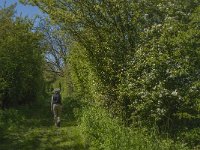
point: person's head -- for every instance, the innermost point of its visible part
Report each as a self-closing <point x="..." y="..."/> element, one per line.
<point x="57" y="90"/>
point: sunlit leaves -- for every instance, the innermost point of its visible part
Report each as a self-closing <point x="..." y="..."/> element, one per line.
<point x="145" y="53"/>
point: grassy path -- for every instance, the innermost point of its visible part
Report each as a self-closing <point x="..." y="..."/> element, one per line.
<point x="33" y="129"/>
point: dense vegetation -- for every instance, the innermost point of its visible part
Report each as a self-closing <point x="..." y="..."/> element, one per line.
<point x="132" y="68"/>
<point x="21" y="60"/>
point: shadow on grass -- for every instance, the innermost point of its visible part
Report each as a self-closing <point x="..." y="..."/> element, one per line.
<point x="31" y="128"/>
<point x="69" y="147"/>
<point x="20" y="144"/>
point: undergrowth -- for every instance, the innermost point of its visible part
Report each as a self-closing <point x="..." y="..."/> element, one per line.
<point x="106" y="133"/>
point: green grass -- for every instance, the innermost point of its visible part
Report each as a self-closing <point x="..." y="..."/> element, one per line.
<point x="33" y="129"/>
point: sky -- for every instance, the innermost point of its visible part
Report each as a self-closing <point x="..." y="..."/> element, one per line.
<point x="29" y="11"/>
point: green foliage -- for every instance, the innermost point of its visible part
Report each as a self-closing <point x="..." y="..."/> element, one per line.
<point x="10" y="119"/>
<point x="191" y="137"/>
<point x="105" y="132"/>
<point x="85" y="82"/>
<point x="32" y="128"/>
<point x="162" y="80"/>
<point x="139" y="59"/>
<point x="20" y="59"/>
<point x="72" y="108"/>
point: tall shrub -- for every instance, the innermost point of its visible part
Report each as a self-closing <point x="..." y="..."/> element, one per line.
<point x="20" y="59"/>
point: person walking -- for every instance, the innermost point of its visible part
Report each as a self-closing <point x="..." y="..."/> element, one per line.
<point x="56" y="106"/>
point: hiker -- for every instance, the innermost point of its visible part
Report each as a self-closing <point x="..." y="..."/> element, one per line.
<point x="56" y="106"/>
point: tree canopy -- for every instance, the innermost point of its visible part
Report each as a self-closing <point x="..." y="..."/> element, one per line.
<point x="136" y="61"/>
<point x="20" y="59"/>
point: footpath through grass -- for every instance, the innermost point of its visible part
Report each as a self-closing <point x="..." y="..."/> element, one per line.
<point x="33" y="129"/>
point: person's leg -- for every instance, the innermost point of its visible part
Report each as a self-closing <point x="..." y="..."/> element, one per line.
<point x="59" y="114"/>
<point x="55" y="111"/>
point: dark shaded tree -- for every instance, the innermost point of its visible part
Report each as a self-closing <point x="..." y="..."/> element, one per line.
<point x="21" y="59"/>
